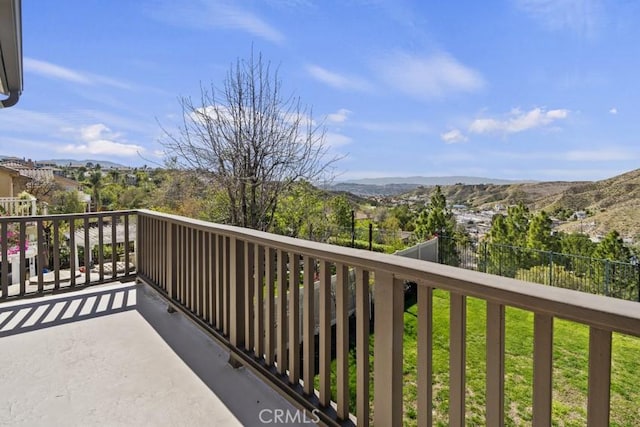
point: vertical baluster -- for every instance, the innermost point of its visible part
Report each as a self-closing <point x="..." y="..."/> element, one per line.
<point x="87" y="251"/>
<point x="342" y="341"/>
<point x="599" y="377"/>
<point x="191" y="263"/>
<point x="114" y="245"/>
<point x="195" y="265"/>
<point x="389" y="328"/>
<point x="220" y="280"/>
<point x="249" y="268"/>
<point x="495" y="364"/>
<point x="101" y="247"/>
<point x="206" y="274"/>
<point x="309" y="325"/>
<point x="187" y="267"/>
<point x="202" y="274"/>
<point x="226" y="297"/>
<point x="259" y="300"/>
<point x="425" y="356"/>
<point x="23" y="259"/>
<point x="56" y="254"/>
<point x="270" y="337"/>
<point x="211" y="261"/>
<point x="236" y="293"/>
<point x="126" y="245"/>
<point x="40" y="262"/>
<point x="72" y="250"/>
<point x="325" y="334"/>
<point x="170" y="260"/>
<point x="281" y="320"/>
<point x="182" y="265"/>
<point x="139" y="243"/>
<point x="294" y="318"/>
<point x="542" y="368"/>
<point x="457" y="358"/>
<point x="362" y="346"/>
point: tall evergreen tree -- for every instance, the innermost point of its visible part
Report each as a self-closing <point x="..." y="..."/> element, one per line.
<point x="437" y="219"/>
<point x="613" y="277"/>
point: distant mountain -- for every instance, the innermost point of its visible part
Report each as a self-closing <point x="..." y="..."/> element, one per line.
<point x="66" y="162"/>
<point x="432" y="180"/>
<point x="391" y="186"/>
<point x="371" y="189"/>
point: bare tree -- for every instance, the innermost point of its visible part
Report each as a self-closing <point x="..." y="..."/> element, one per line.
<point x="250" y="140"/>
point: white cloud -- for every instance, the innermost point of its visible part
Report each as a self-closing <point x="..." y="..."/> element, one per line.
<point x="428" y="77"/>
<point x="57" y="72"/>
<point x="579" y="16"/>
<point x="336" y="139"/>
<point x="453" y="136"/>
<point x="601" y="155"/>
<point x="98" y="139"/>
<point x="338" y="81"/>
<point x="206" y="14"/>
<point x="339" y="116"/>
<point x="613" y="110"/>
<point x="50" y="70"/>
<point x="103" y="147"/>
<point x="518" y="121"/>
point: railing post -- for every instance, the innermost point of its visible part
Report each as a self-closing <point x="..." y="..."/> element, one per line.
<point x="389" y="324"/>
<point x="236" y="293"/>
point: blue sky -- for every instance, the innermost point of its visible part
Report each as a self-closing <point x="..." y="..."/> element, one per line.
<point x="520" y="89"/>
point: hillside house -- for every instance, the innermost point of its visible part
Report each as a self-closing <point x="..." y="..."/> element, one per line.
<point x="12" y="182"/>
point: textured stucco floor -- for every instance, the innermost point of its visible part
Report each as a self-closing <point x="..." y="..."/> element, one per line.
<point x="113" y="356"/>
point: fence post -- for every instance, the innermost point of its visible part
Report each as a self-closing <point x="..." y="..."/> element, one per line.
<point x="353" y="228"/>
<point x="550" y="268"/>
<point x="370" y="236"/>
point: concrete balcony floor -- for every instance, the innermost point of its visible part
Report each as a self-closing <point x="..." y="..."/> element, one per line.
<point x="112" y="355"/>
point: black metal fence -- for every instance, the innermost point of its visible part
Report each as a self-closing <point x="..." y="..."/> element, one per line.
<point x="362" y="237"/>
<point x="597" y="276"/>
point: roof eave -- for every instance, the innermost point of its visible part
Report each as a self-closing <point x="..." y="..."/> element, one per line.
<point x="11" y="82"/>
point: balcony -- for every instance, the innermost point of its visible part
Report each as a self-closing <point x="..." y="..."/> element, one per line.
<point x="18" y="206"/>
<point x="227" y="281"/>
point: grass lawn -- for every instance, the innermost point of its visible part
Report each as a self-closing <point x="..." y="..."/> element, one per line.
<point x="571" y="342"/>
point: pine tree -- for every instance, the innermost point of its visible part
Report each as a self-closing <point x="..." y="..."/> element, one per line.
<point x="437" y="219"/>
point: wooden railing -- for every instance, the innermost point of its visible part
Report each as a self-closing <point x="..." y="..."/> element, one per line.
<point x="226" y="278"/>
<point x="41" y="254"/>
<point x="229" y="280"/>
